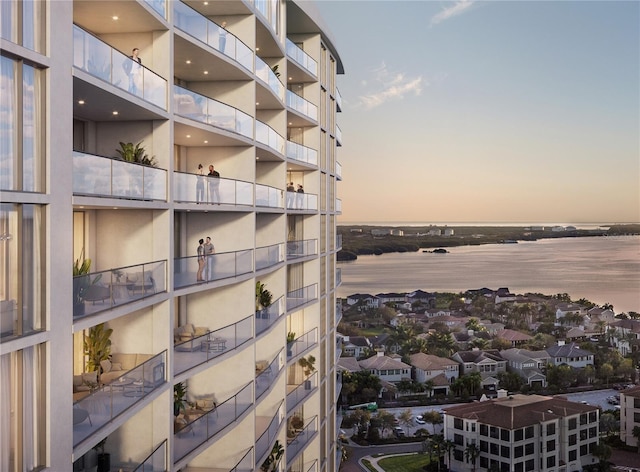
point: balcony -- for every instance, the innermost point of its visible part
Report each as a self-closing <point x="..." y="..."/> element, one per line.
<point x="266" y="135"/>
<point x="266" y="438"/>
<point x="338" y="242"/>
<point x="338" y="277"/>
<point x="301" y="58"/>
<point x="302" y="153"/>
<point x="211" y="112"/>
<point x="100" y="291"/>
<point x="301" y="296"/>
<point x="299" y="104"/>
<point x="305" y="248"/>
<point x="269" y="256"/>
<point x="302" y="344"/>
<point x="106" y="402"/>
<point x="296" y="445"/>
<point x="296" y="394"/>
<point x="201" y="189"/>
<point x="338" y="312"/>
<point x="269" y="197"/>
<point x="338" y="136"/>
<point x="338" y="389"/>
<point x="99" y="176"/>
<point x="194" y="433"/>
<point x="338" y="205"/>
<point x="338" y="98"/>
<point x="159" y="6"/>
<point x="100" y="60"/>
<point x="338" y="171"/>
<point x="206" y="31"/>
<point x="269" y="316"/>
<point x="218" y="266"/>
<point x="302" y="201"/>
<point x="266" y="75"/>
<point x="199" y="350"/>
<point x="157" y="460"/>
<point x="267" y="375"/>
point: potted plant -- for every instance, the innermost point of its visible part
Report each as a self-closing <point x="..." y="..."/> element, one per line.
<point x="291" y="337"/>
<point x="97" y="347"/>
<point x="270" y="464"/>
<point x="296" y="423"/>
<point x="179" y="398"/>
<point x="81" y="282"/>
<point x="263" y="298"/>
<point x="130" y="153"/>
<point x="104" y="458"/>
<point x="307" y="363"/>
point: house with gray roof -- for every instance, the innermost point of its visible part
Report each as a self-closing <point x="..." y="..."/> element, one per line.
<point x="569" y="354"/>
<point x="529" y="365"/>
<point x="387" y="368"/>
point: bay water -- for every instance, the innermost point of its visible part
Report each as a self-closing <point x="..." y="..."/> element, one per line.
<point x="600" y="269"/>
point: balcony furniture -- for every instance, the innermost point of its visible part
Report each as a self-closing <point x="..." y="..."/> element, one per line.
<point x="262" y="366"/>
<point x="188" y="337"/>
<point x="213" y="345"/>
<point x="181" y="426"/>
<point x="140" y="282"/>
<point x="205" y="404"/>
<point x="79" y="415"/>
<point x="84" y="384"/>
<point x="120" y="364"/>
<point x="97" y="293"/>
<point x="119" y="291"/>
<point x="136" y="388"/>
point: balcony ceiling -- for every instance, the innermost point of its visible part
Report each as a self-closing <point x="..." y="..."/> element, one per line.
<point x="265" y="41"/>
<point x="218" y="68"/>
<point x="100" y="103"/>
<point x="198" y="134"/>
<point x="97" y="17"/>
<point x="219" y="7"/>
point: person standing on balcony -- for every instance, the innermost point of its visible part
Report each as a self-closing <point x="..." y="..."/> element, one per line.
<point x="133" y="67"/>
<point x="300" y="197"/>
<point x="291" y="191"/>
<point x="222" y="36"/>
<point x="214" y="185"/>
<point x="209" y="251"/>
<point x="202" y="261"/>
<point x="200" y="184"/>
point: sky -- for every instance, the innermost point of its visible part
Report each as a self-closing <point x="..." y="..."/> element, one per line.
<point x="488" y="111"/>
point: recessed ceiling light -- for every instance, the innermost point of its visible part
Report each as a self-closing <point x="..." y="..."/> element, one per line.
<point x="206" y="72"/>
<point x="257" y="103"/>
<point x="188" y="136"/>
<point x="115" y="112"/>
<point x="188" y="62"/>
<point x="115" y="18"/>
<point x="80" y="102"/>
<point x="257" y="49"/>
<point x="290" y="123"/>
<point x="290" y="78"/>
<point x="205" y="3"/>
<point x="257" y="158"/>
<point x="206" y="142"/>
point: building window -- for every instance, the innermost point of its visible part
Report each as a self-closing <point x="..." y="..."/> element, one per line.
<point x="457" y="439"/>
<point x="551" y="445"/>
<point x="457" y="423"/>
<point x="518" y="451"/>
<point x="636" y="402"/>
<point x="583" y="419"/>
<point x="505" y="435"/>
<point x="23" y="23"/>
<point x="573" y="455"/>
<point x="518" y="467"/>
<point x="573" y="439"/>
<point x="528" y="449"/>
<point x="505" y="451"/>
<point x="573" y="423"/>
<point x="583" y="450"/>
<point x="551" y="461"/>
<point x="592" y="432"/>
<point x="529" y="465"/>
<point x="593" y="417"/>
<point x="484" y="462"/>
<point x="493" y="448"/>
<point x="484" y="446"/>
<point x="494" y="432"/>
<point x="518" y="435"/>
<point x="458" y="454"/>
<point x="636" y="417"/>
<point x="528" y="432"/>
<point x="551" y="429"/>
<point x="484" y="430"/>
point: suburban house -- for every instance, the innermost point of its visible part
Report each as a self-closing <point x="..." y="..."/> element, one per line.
<point x="487" y="363"/>
<point x="569" y="354"/>
<point x="421" y="296"/>
<point x="563" y="309"/>
<point x="387" y="368"/>
<point x="626" y="335"/>
<point x="436" y="312"/>
<point x="523" y="433"/>
<point x="429" y="367"/>
<point x="349" y="364"/>
<point x="390" y="297"/>
<point x="503" y="295"/>
<point x="355" y="346"/>
<point x="629" y="415"/>
<point x="530" y="365"/>
<point x="363" y="299"/>
<point x="514" y="337"/>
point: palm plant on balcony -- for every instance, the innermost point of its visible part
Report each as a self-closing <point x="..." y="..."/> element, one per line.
<point x="308" y="365"/>
<point x="81" y="282"/>
<point x="291" y="337"/>
<point x="179" y="398"/>
<point x="263" y="298"/>
<point x="270" y="464"/>
<point x="136" y="153"/>
<point x="97" y="346"/>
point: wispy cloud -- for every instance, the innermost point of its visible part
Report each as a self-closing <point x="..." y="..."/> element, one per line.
<point x="390" y="86"/>
<point x="456" y="9"/>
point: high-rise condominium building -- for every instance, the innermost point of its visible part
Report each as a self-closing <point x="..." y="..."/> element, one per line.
<point x="180" y="156"/>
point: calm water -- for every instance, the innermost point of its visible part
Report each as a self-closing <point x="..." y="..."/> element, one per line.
<point x="600" y="269"/>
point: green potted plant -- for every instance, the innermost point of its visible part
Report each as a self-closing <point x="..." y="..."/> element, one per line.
<point x="97" y="346"/>
<point x="136" y="153"/>
<point x="308" y="364"/>
<point x="291" y="337"/>
<point x="263" y="298"/>
<point x="270" y="464"/>
<point x="81" y="282"/>
<point x="104" y="458"/>
<point x="179" y="398"/>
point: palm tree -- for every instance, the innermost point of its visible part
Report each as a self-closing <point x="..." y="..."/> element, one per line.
<point x="636" y="434"/>
<point x="447" y="447"/>
<point x="471" y="453"/>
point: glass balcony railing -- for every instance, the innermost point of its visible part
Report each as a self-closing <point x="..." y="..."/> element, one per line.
<point x="266" y="74"/>
<point x="299" y="104"/>
<point x="338" y="277"/>
<point x="266" y="377"/>
<point x="338" y="97"/>
<point x="100" y="60"/>
<point x="338" y="313"/>
<point x="157" y="460"/>
<point x="338" y="205"/>
<point x="269" y="197"/>
<point x="338" y="170"/>
<point x="193" y="188"/>
<point x="302" y="201"/>
<point x="302" y="439"/>
<point x="268" y="256"/>
<point x="301" y="296"/>
<point x="212" y="112"/>
<point x="106" y="402"/>
<point x="338" y="136"/>
<point x="265" y="441"/>
<point x="302" y="344"/>
<point x="107" y="289"/>
<point x="302" y="153"/>
<point x="190" y="352"/>
<point x="201" y="28"/>
<point x="267" y="317"/>
<point x="266" y="135"/>
<point x="301" y="58"/>
<point x="296" y="394"/>
<point x="192" y="434"/>
<point x="338" y="241"/>
<point x="109" y="177"/>
<point x="245" y="464"/>
<point x="159" y="6"/>
<point x="297" y="249"/>
<point x="217" y="267"/>
<point x="338" y="387"/>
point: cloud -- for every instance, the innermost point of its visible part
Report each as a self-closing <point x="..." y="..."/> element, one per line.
<point x="391" y="86"/>
<point x="458" y="7"/>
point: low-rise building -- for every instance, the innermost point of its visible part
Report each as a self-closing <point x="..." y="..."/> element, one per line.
<point x="523" y="433"/>
<point x="530" y="365"/>
<point x="387" y="368"/>
<point x="427" y="367"/>
<point x="355" y="346"/>
<point x="569" y="354"/>
<point x="629" y="415"/>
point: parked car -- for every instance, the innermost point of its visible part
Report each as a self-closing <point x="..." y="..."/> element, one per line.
<point x="399" y="432"/>
<point x="419" y="420"/>
<point x="612" y="401"/>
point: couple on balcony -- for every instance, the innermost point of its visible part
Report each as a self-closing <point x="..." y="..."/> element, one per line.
<point x="205" y="260"/>
<point x="214" y="184"/>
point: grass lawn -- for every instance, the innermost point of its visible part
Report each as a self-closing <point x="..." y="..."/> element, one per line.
<point x="368" y="465"/>
<point x="372" y="331"/>
<point x="407" y="463"/>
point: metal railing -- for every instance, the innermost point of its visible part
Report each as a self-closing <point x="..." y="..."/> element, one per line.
<point x="265" y="378"/>
<point x="302" y="201"/>
<point x="303" y="295"/>
<point x="301" y="392"/>
<point x="268" y="256"/>
<point x="202" y="189"/>
<point x="266" y="74"/>
<point x="302" y="439"/>
<point x="217" y="266"/>
<point x="100" y="60"/>
<point x="157" y="460"/>
<point x="302" y="153"/>
<point x="269" y="197"/>
<point x="266" y="135"/>
<point x="297" y="249"/>
<point x="111" y="177"/>
<point x="302" y="344"/>
<point x="265" y="441"/>
<point x="301" y="105"/>
<point x="245" y="464"/>
<point x="268" y="316"/>
<point x="295" y="53"/>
